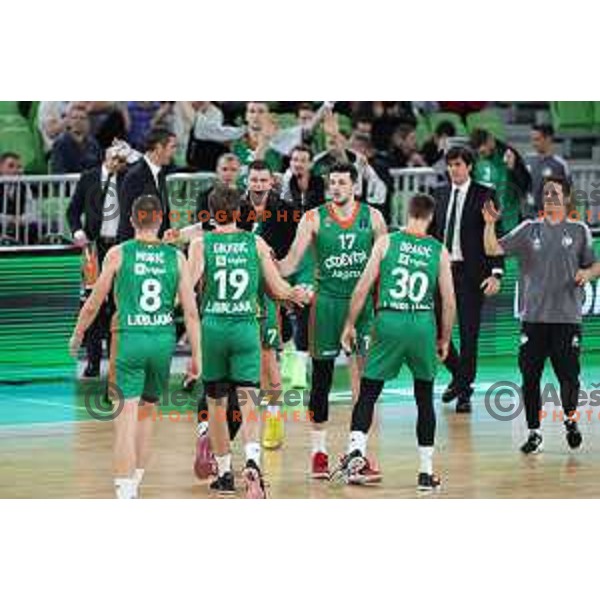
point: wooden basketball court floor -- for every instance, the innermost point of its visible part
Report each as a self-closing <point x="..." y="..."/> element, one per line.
<point x="50" y="448"/>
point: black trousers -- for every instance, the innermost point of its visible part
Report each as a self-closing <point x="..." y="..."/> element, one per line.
<point x="469" y="302"/>
<point x="100" y="328"/>
<point x="560" y="342"/>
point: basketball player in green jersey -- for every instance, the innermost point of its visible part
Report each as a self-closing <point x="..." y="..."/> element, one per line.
<point x="409" y="267"/>
<point x="231" y="263"/>
<point x="342" y="233"/>
<point x="147" y="276"/>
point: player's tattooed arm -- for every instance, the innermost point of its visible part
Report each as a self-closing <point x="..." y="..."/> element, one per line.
<point x="190" y="314"/>
<point x="490" y="239"/>
<point x="307" y="229"/>
<point x="361" y="291"/>
<point x="379" y="225"/>
<point x="112" y="263"/>
<point x="446" y="288"/>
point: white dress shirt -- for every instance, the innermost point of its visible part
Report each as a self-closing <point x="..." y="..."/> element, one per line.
<point x="110" y="210"/>
<point x="154" y="168"/>
<point x="456" y="250"/>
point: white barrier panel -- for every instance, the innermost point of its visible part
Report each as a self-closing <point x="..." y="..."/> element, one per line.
<point x="33" y="207"/>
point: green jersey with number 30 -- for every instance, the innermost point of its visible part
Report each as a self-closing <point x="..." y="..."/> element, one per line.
<point x="146" y="286"/>
<point x="408" y="273"/>
<point x="342" y="249"/>
<point x="231" y="274"/>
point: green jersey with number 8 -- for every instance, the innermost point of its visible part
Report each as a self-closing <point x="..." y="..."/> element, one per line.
<point x="408" y="274"/>
<point x="146" y="286"/>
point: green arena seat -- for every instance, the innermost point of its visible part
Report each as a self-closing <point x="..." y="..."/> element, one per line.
<point x="20" y="139"/>
<point x="572" y="115"/>
<point x="489" y="120"/>
<point x="436" y="118"/>
<point x="9" y="108"/>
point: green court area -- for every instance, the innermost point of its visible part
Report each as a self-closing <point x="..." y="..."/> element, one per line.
<point x="56" y="401"/>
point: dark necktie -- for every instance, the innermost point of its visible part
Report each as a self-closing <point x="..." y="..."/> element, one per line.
<point x="452" y="223"/>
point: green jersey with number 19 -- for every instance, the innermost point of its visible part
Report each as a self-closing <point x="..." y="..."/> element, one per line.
<point x="146" y="286"/>
<point x="231" y="275"/>
<point x="409" y="273"/>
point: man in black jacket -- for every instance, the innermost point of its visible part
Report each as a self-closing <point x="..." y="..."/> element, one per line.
<point x="458" y="223"/>
<point x="148" y="177"/>
<point x="93" y="217"/>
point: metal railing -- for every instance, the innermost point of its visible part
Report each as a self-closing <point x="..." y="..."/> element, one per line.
<point x="33" y="207"/>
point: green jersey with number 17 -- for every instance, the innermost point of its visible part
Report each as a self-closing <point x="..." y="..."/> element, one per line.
<point x="232" y="274"/>
<point x="342" y="249"/>
<point x="408" y="274"/>
<point x="146" y="286"/>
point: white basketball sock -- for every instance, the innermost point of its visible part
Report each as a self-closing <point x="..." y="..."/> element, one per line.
<point x="252" y="450"/>
<point x="125" y="488"/>
<point x="357" y="441"/>
<point x="223" y="464"/>
<point x="426" y="459"/>
<point x="319" y="440"/>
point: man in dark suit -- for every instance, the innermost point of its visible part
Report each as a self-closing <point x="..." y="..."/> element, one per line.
<point x="93" y="217"/>
<point x="458" y="223"/>
<point x="147" y="177"/>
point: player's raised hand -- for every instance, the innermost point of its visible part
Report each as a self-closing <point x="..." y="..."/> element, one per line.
<point x="490" y="213"/>
<point x="443" y="346"/>
<point x="348" y="339"/>
<point x="582" y="277"/>
<point x="171" y="235"/>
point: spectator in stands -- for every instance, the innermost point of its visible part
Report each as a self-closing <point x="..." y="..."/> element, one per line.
<point x="501" y="167"/>
<point x="147" y="176"/>
<point x="377" y="161"/>
<point x="403" y="152"/>
<point x="145" y="116"/>
<point x="109" y="121"/>
<point x="435" y="148"/>
<point x="370" y="188"/>
<point x="51" y="121"/>
<point x="17" y="220"/>
<point x="75" y="150"/>
<point x="387" y="117"/>
<point x="256" y="142"/>
<point x="544" y="163"/>
<point x="301" y="188"/>
<point x="208" y="137"/>
<point x="93" y="217"/>
<point x="228" y="172"/>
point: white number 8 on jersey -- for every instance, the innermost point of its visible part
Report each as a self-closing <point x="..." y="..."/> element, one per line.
<point x="150" y="298"/>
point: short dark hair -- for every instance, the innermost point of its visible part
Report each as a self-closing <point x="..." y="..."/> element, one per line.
<point x="157" y="136"/>
<point x="445" y="128"/>
<point x="340" y="167"/>
<point x="421" y="206"/>
<point x="302" y="148"/>
<point x="6" y="155"/>
<point x="224" y="203"/>
<point x="259" y="165"/>
<point x="546" y="130"/>
<point x="479" y="137"/>
<point x="305" y="106"/>
<point x="460" y="153"/>
<point x="404" y="129"/>
<point x="564" y="183"/>
<point x="146" y="212"/>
